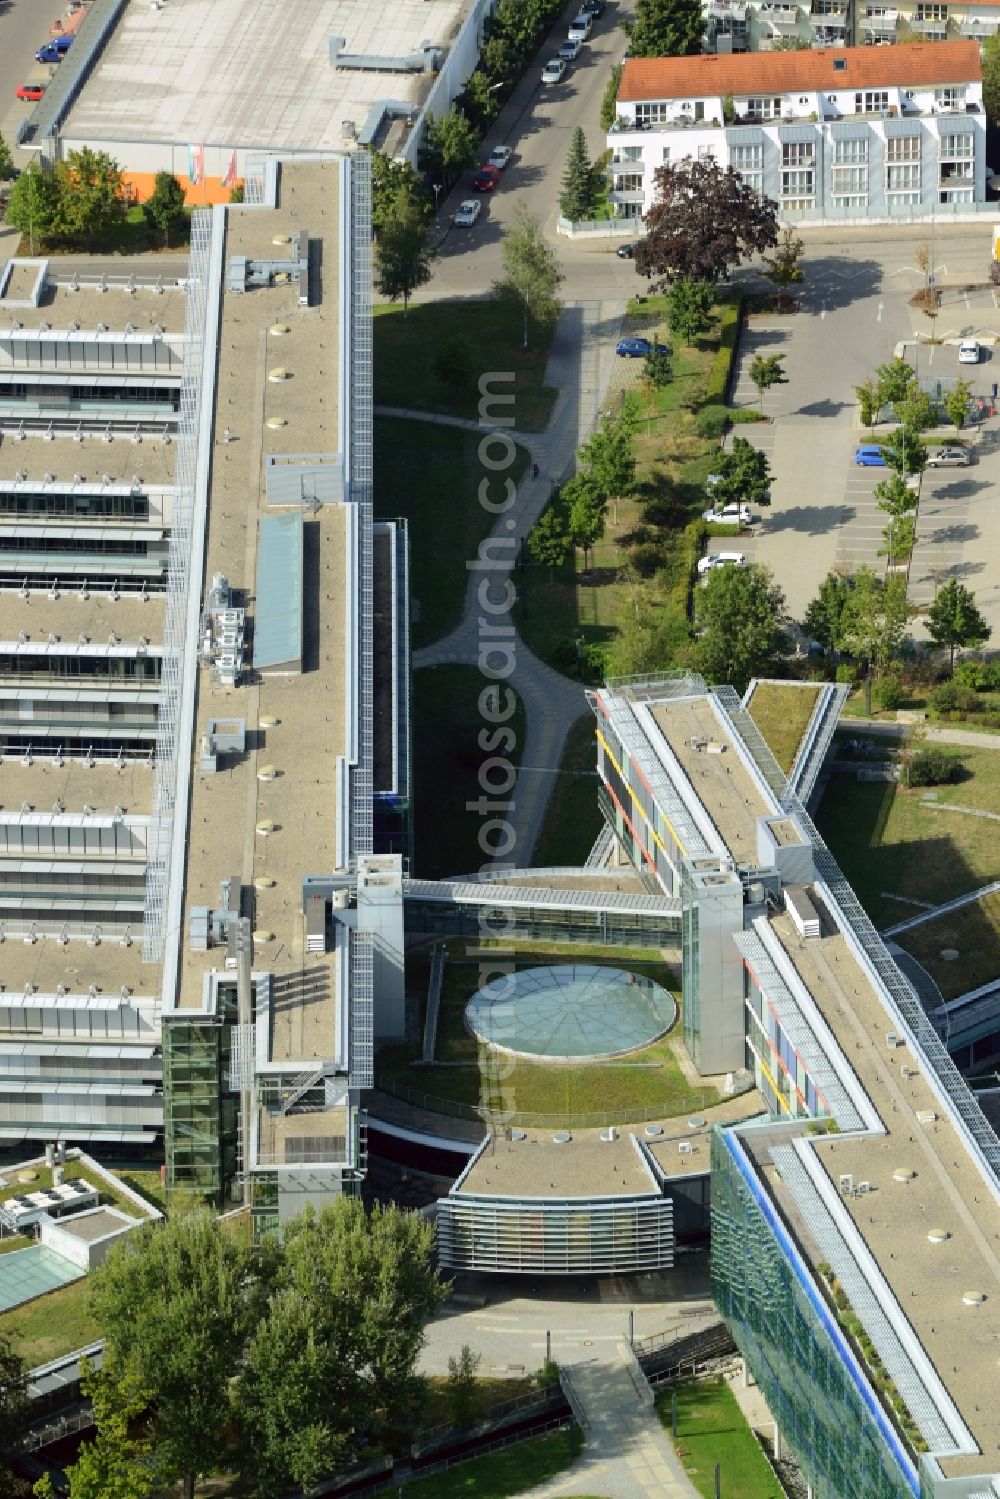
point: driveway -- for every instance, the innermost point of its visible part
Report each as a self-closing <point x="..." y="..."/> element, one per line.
<point x="24" y="27"/>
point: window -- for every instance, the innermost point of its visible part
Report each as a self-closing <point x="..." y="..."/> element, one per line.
<point x="932" y="12"/>
<point x="798" y="184"/>
<point x="950" y="98"/>
<point x="630" y="153"/>
<point x="798" y="153"/>
<point x="871" y="101"/>
<point x="902" y="148"/>
<point x="666" y="153"/>
<point x="763" y="108"/>
<point x="706" y="153"/>
<point x="628" y="182"/>
<point x="652" y="113"/>
<point x="903" y="178"/>
<point x="849" y="151"/>
<point x="747" y="158"/>
<point x="957" y="147"/>
<point x="850" y="181"/>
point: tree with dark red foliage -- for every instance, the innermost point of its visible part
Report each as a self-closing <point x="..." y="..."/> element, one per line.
<point x="704" y="222"/>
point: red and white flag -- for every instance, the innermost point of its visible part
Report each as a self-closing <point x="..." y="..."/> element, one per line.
<point x="229" y="180"/>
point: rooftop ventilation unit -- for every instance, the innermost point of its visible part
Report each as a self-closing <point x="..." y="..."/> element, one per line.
<point x="609" y="1134"/>
<point x="846" y="1184"/>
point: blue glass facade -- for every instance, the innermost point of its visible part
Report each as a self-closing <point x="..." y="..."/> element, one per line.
<point x="824" y="1406"/>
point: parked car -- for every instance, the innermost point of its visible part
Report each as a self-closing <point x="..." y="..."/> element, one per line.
<point x="948" y="457"/>
<point x="569" y="51"/>
<point x="720" y="559"/>
<point x="486" y="179"/>
<point x="638" y="348"/>
<point x="468" y="212"/>
<point x="627" y="250"/>
<point x="869" y="455"/>
<point x="499" y="157"/>
<point x="968" y="351"/>
<point x="581" y="27"/>
<point x="554" y="71"/>
<point x="595" y="8"/>
<point x="733" y="514"/>
<point x="55" y="50"/>
<point x="32" y="92"/>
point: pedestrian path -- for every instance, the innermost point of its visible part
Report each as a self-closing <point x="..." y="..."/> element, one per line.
<point x="580" y="365"/>
<point x="627" y="1455"/>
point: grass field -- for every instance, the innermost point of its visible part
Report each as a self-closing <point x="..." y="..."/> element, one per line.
<point x="502" y="1474"/>
<point x="891" y="841"/>
<point x="782" y="710"/>
<point x="711" y="1429"/>
<point x="975" y="931"/>
<point x="430" y="475"/>
<point x="53" y="1325"/>
<point x="650" y="1081"/>
<point x="572" y="819"/>
<point x="594" y="604"/>
<point x="447" y="755"/>
<point x="407" y="348"/>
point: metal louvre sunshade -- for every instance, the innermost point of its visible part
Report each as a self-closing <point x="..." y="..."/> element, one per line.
<point x="572" y="1012"/>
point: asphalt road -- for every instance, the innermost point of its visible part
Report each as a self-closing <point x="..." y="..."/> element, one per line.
<point x="24" y="27"/>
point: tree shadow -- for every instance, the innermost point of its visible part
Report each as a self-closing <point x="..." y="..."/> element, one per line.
<point x="808" y="520"/>
<point x="821" y="408"/>
<point x="833" y="282"/>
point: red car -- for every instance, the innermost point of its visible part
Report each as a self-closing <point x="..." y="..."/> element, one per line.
<point x="486" y="179"/>
<point x="30" y="91"/>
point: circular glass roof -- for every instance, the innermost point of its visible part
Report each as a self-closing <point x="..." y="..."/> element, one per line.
<point x="572" y="1012"/>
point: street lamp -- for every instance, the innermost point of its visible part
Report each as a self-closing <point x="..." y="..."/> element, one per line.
<point x="437" y="194"/>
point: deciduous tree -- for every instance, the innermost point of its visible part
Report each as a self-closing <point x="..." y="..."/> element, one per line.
<point x="609" y="99"/>
<point x="783" y="266"/>
<point x="15" y="1411"/>
<point x="744" y="475"/>
<point x="531" y="275"/>
<point x="34" y="205"/>
<point x="689" y="309"/>
<point x="869" y="402"/>
<point x="666" y="28"/>
<point x="91" y="196"/>
<point x="875" y="619"/>
<point x="740" y="613"/>
<point x="990" y="49"/>
<point x="6" y="161"/>
<point x="704" y="222"/>
<point x="164" y="209"/>
<point x="173" y="1306"/>
<point x="954" y="621"/>
<point x="402" y="256"/>
<point x="904" y="452"/>
<point x="586" y="510"/>
<point x="765" y="371"/>
<point x="449" y="147"/>
<point x="462" y="1385"/>
<point x="894" y="381"/>
<point x="390" y="178"/>
<point x="117" y="1464"/>
<point x="608" y="457"/>
<point x="824" y="616"/>
<point x="548" y="542"/>
<point x="956" y="403"/>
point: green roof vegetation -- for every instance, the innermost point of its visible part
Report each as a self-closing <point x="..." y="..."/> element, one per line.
<point x="782" y="710"/>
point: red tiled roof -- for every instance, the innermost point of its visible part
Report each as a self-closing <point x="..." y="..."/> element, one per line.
<point x="909" y="63"/>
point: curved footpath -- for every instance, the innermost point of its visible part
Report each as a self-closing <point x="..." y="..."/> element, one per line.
<point x="580" y="367"/>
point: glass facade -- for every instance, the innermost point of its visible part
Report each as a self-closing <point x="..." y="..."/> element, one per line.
<point x="199" y="1120"/>
<point x="824" y="1406"/>
<point x="556" y="1238"/>
<point x="541" y="923"/>
<point x="690" y="969"/>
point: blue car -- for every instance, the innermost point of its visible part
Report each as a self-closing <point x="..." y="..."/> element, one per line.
<point x="869" y="455"/>
<point x="55" y="50"/>
<point x="638" y="348"/>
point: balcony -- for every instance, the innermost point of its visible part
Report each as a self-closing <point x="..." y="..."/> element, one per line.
<point x="625" y="164"/>
<point x="880" y="28"/>
<point x="626" y="197"/>
<point x="728" y="11"/>
<point x="782" y="20"/>
<point x="931" y="29"/>
<point x="979" y="29"/>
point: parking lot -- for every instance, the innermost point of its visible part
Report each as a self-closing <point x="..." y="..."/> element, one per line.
<point x="824" y="514"/>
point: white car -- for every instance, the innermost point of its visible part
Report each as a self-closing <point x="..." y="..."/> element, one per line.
<point x="569" y="50"/>
<point x="581" y="27"/>
<point x="968" y="351"/>
<point x="468" y="212"/>
<point x="499" y="157"/>
<point x="728" y="515"/>
<point x="554" y="71"/>
<point x="948" y="457"/>
<point x="720" y="559"/>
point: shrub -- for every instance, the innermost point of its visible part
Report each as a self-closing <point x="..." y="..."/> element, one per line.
<point x="718" y="376"/>
<point x="889" y="693"/>
<point x="933" y="766"/>
<point x="657" y="368"/>
<point x="744" y="416"/>
<point x="846" y="672"/>
<point x="951" y="697"/>
<point x="989" y="676"/>
<point x="646" y="557"/>
<point x="969" y="674"/>
<point x="712" y="421"/>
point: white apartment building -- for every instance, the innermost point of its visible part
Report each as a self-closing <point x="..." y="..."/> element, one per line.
<point x="860" y="132"/>
<point x="760" y="25"/>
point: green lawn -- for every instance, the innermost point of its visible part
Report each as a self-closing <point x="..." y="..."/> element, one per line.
<point x="711" y="1429"/>
<point x="447" y="756"/>
<point x="890" y="841"/>
<point x="502" y="1474"/>
<point x="406" y="349"/>
<point x="431" y="475"/>
<point x="650" y="1081"/>
<point x="782" y="710"/>
<point x="572" y="819"/>
<point x="975" y="931"/>
<point x="73" y="1170"/>
<point x="593" y="605"/>
<point x="51" y="1326"/>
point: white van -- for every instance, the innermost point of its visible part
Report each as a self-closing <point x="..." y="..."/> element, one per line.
<point x="581" y="28"/>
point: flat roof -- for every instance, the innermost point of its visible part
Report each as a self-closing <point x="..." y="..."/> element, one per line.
<point x="89" y="1227"/>
<point x="587" y="1166"/>
<point x="152" y="461"/>
<point x="317" y="1136"/>
<point x="250" y="73"/>
<point x="145" y="308"/>
<point x="705" y="749"/>
<point x="99" y="616"/>
<point x="299" y="723"/>
<point x="948" y="1190"/>
<point x="47" y="963"/>
<point x="103" y="786"/>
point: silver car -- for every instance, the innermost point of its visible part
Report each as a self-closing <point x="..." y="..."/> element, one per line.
<point x="948" y="458"/>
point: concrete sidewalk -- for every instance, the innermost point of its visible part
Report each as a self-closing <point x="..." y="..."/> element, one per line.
<point x="628" y="1454"/>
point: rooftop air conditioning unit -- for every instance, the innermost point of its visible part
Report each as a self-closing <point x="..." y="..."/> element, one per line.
<point x="846" y="1184"/>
